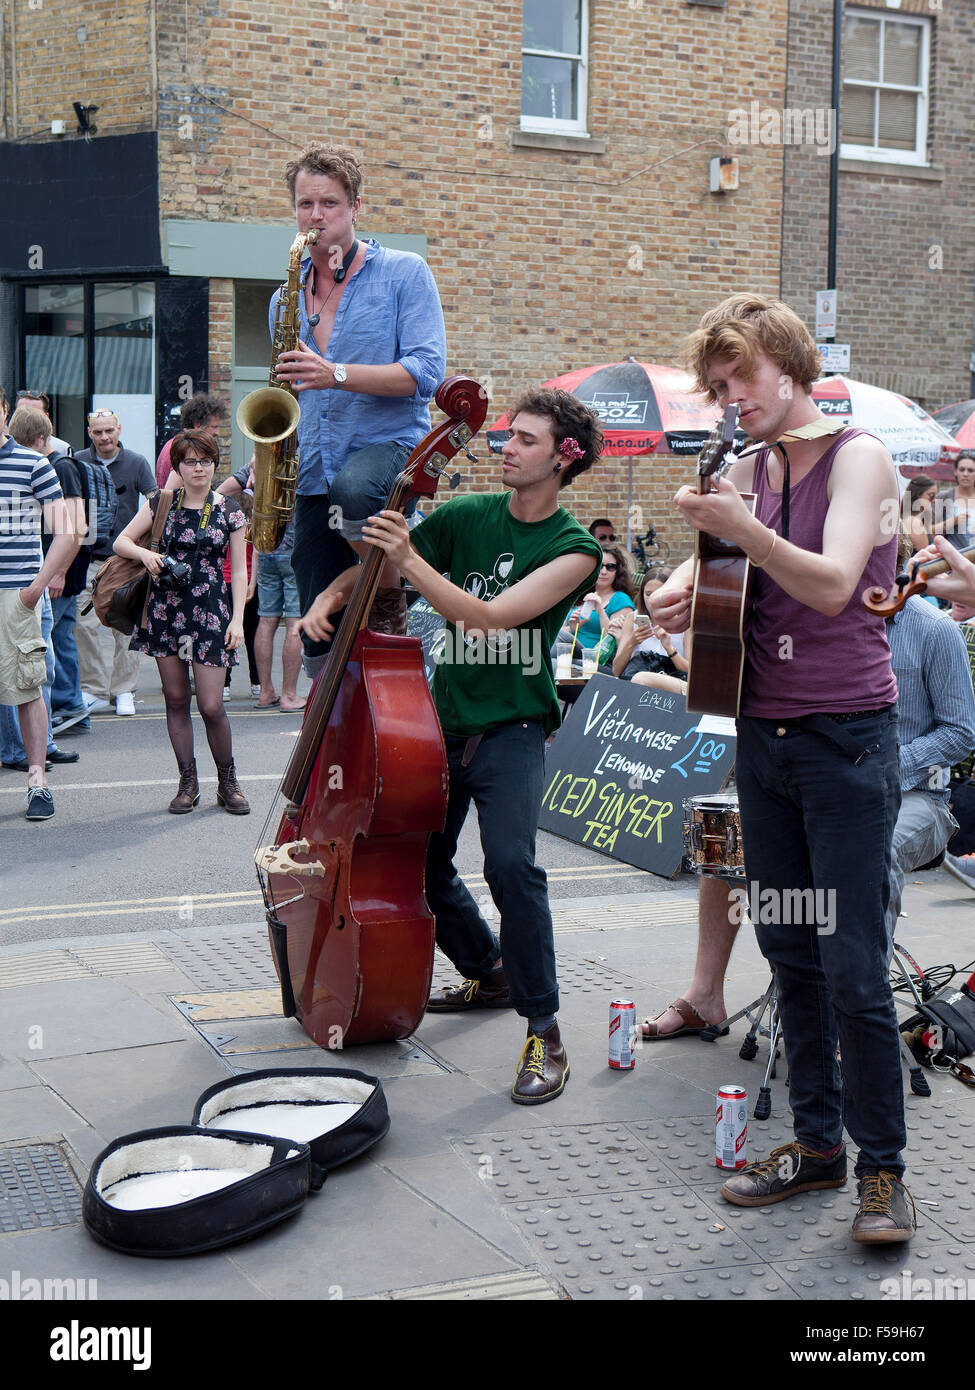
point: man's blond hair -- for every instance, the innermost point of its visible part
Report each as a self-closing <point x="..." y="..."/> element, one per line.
<point x="742" y="326"/>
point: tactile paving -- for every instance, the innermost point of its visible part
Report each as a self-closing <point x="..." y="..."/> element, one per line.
<point x="941" y="1166"/>
<point x="37" y="1188"/>
<point x="564" y="1162"/>
<point x="238" y="961"/>
<point x="612" y="1246"/>
<point x="686" y="1144"/>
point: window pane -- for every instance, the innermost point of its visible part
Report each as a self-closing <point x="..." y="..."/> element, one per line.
<point x="548" y="88"/>
<point x="856" y="116"/>
<point x="124" y="315"/>
<point x="551" y="24"/>
<point x="861" y="49"/>
<point x="252" y="341"/>
<point x="898" y="120"/>
<point x="54" y="356"/>
<point x="902" y="54"/>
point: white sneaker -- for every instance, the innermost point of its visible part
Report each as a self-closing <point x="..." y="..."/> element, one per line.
<point x="255" y="692"/>
<point x="95" y="704"/>
<point x="226" y="694"/>
<point x="125" y="703"/>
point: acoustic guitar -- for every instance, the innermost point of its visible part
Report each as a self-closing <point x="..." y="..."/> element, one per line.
<point x="717" y="660"/>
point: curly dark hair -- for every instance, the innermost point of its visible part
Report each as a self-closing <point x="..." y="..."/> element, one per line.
<point x="200" y="409"/>
<point x="193" y="439"/>
<point x="570" y="420"/>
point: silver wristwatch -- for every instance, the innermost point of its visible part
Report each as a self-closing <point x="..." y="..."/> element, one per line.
<point x="339" y="373"/>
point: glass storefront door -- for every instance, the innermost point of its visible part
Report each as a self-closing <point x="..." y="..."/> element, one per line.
<point x="54" y="355"/>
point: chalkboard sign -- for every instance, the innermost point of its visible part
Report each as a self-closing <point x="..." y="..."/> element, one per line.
<point x="619" y="769"/>
<point x="425" y="622"/>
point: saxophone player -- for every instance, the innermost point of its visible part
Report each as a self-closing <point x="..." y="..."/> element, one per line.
<point x="370" y="354"/>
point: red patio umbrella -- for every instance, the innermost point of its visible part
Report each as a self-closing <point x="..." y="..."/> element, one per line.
<point x="643" y="408"/>
<point x="959" y="420"/>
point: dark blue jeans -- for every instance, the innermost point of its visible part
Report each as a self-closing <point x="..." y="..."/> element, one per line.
<point x="505" y="782"/>
<point x="812" y="820"/>
<point x="326" y="522"/>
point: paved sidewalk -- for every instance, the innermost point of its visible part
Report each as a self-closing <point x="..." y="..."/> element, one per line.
<point x="609" y="1192"/>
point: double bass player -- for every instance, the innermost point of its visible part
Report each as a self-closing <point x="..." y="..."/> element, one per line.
<point x="516" y="561"/>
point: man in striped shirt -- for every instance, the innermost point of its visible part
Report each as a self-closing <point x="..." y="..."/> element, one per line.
<point x="30" y="495"/>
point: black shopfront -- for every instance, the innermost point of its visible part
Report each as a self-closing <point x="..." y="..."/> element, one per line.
<point x="89" y="313"/>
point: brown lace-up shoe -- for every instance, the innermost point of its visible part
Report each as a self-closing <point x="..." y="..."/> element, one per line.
<point x="883" y="1216"/>
<point x="790" y="1169"/>
<point x="229" y="794"/>
<point x="189" y="789"/>
<point x="492" y="993"/>
<point x="388" y="612"/>
<point x="543" y="1068"/>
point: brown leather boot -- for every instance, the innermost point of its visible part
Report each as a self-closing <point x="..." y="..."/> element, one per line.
<point x="543" y="1068"/>
<point x="189" y="789"/>
<point x="229" y="794"/>
<point x="388" y="612"/>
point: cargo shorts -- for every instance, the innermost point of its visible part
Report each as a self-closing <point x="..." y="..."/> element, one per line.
<point x="23" y="668"/>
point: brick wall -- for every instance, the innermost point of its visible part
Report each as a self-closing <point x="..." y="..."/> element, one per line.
<point x="98" y="53"/>
<point x="545" y="259"/>
<point x="906" y="242"/>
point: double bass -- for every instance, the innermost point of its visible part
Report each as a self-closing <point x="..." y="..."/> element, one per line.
<point x="350" y="931"/>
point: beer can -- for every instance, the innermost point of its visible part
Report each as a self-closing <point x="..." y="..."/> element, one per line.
<point x="622" y="1034"/>
<point x="731" y="1128"/>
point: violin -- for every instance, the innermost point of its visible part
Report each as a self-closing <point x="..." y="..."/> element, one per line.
<point x="350" y="931"/>
<point x="911" y="581"/>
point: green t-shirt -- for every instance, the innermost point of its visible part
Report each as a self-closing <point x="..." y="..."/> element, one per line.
<point x="479" y="684"/>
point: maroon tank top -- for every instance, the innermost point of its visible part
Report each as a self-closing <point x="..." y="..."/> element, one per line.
<point x="800" y="661"/>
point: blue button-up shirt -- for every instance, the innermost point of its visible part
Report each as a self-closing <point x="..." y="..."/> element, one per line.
<point x="389" y="312"/>
<point x="935" y="703"/>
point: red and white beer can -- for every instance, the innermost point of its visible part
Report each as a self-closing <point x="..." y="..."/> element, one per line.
<point x="731" y="1128"/>
<point x="622" y="1034"/>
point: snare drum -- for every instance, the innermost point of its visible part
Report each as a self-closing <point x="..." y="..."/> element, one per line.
<point x="712" y="835"/>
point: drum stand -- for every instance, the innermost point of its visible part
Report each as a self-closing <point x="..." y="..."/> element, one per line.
<point x="755" y="1012"/>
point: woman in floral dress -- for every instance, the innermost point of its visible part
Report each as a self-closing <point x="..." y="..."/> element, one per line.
<point x="190" y="621"/>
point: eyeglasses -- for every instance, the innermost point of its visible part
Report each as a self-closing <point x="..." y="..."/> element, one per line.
<point x="102" y="414"/>
<point x="603" y="537"/>
<point x="31" y="396"/>
<point x="606" y="566"/>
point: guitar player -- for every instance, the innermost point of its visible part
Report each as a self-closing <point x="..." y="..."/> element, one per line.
<point x="817" y="766"/>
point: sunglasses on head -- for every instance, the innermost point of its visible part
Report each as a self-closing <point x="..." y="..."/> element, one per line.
<point x="102" y="415"/>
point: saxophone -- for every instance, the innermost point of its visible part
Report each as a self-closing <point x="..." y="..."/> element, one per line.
<point x="269" y="416"/>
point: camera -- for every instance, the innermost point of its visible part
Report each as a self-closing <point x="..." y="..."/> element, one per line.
<point x="174" y="573"/>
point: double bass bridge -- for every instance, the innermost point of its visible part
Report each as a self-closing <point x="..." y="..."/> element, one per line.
<point x="280" y="859"/>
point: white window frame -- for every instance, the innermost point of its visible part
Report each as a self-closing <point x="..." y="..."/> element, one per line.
<point x="547" y="125"/>
<point x="919" y="155"/>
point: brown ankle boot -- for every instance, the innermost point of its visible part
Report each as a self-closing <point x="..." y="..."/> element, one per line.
<point x="189" y="789"/>
<point x="388" y="613"/>
<point x="229" y="794"/>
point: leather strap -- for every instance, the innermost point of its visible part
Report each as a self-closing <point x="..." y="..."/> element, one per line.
<point x="160" y="511"/>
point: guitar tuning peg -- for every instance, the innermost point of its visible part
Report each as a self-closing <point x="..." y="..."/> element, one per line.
<point x="473" y="457"/>
<point x="453" y="480"/>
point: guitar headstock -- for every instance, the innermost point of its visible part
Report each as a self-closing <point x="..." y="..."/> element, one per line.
<point x="719" y="442"/>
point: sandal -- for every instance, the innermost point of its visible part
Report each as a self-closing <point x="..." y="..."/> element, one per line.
<point x="693" y="1024"/>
